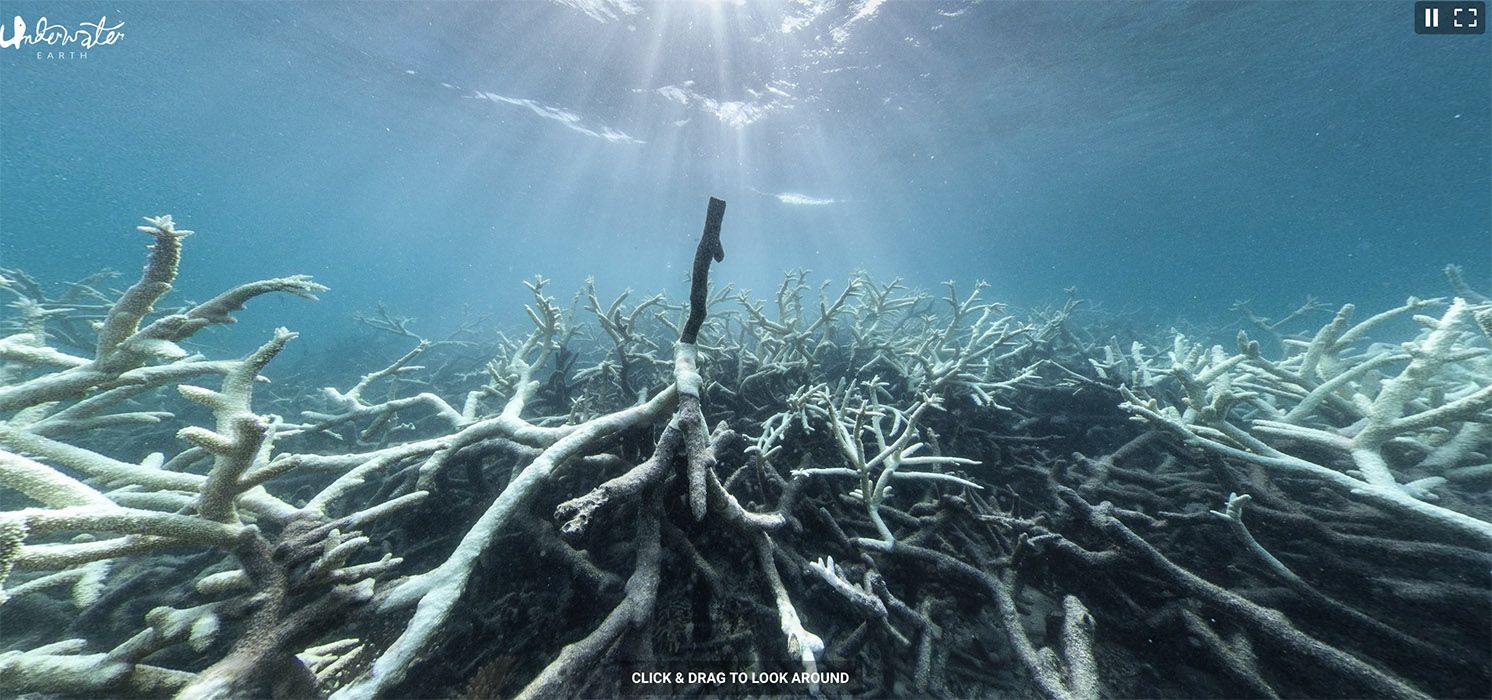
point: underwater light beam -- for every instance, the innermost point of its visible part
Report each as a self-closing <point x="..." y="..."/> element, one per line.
<point x="569" y="119"/>
<point x="803" y="199"/>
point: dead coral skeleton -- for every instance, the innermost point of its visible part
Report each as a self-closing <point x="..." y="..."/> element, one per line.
<point x="836" y="477"/>
<point x="127" y="509"/>
<point x="1407" y="418"/>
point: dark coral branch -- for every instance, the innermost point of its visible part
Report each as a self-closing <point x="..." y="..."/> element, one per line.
<point x="699" y="287"/>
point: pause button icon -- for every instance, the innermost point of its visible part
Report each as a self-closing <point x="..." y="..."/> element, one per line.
<point x="1456" y="17"/>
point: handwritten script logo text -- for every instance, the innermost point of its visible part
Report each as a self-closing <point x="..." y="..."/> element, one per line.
<point x="87" y="34"/>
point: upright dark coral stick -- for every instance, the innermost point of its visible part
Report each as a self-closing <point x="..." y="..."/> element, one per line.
<point x="699" y="288"/>
<point x="689" y="416"/>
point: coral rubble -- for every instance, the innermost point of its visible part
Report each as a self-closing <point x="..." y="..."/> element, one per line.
<point x="867" y="490"/>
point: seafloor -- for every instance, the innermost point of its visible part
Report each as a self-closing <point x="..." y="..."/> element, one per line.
<point x="850" y="489"/>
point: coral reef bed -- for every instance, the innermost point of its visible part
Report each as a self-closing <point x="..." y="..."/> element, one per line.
<point x="837" y="490"/>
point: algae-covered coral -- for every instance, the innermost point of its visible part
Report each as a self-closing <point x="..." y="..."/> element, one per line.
<point x="861" y="489"/>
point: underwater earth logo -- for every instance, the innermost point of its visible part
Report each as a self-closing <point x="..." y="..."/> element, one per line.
<point x="62" y="42"/>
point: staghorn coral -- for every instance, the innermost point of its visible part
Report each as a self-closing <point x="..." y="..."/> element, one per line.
<point x="777" y="477"/>
<point x="126" y="509"/>
<point x="1333" y="397"/>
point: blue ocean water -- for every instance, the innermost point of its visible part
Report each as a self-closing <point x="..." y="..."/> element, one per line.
<point x="430" y="155"/>
<point x="553" y="503"/>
